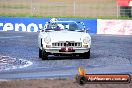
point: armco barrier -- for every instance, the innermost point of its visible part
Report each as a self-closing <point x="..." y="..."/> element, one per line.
<point x="34" y="24"/>
<point x="118" y="27"/>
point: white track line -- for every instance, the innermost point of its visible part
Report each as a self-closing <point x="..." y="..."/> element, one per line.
<point x="4" y="37"/>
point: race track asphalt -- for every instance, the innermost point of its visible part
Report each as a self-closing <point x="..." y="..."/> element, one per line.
<point x="109" y="54"/>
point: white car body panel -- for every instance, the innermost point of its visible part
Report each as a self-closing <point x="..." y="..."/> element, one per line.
<point x="63" y="36"/>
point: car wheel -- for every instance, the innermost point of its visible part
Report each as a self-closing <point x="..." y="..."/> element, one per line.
<point x="44" y="55"/>
<point x="40" y="53"/>
<point x="86" y="55"/>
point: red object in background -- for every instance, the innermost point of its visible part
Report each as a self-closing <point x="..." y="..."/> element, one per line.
<point x="123" y="2"/>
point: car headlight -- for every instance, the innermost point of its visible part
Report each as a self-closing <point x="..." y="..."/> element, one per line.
<point x="47" y="39"/>
<point x="86" y="40"/>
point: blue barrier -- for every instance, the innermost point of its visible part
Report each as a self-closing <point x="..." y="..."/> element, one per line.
<point x="34" y="24"/>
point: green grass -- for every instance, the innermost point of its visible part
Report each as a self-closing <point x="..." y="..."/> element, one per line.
<point x="115" y="17"/>
<point x="40" y="16"/>
<point x="79" y="17"/>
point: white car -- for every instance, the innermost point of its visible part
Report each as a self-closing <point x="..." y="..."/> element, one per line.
<point x="64" y="38"/>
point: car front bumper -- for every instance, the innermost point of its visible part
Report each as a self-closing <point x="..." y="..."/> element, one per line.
<point x="58" y="50"/>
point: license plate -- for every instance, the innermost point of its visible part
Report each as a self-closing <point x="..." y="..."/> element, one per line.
<point x="67" y="49"/>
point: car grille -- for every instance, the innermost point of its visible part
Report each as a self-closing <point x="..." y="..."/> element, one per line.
<point x="68" y="44"/>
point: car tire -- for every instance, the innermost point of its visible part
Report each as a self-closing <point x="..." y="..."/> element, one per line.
<point x="40" y="53"/>
<point x="85" y="55"/>
<point x="44" y="55"/>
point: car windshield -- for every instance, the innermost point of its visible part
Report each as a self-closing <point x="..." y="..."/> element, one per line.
<point x="57" y="26"/>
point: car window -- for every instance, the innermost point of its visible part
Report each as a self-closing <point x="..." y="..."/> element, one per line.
<point x="57" y="26"/>
<point x="81" y="25"/>
<point x="73" y="26"/>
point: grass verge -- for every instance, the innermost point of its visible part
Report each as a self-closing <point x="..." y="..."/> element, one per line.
<point x="79" y="17"/>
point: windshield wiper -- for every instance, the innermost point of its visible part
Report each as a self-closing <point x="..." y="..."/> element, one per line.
<point x="58" y="29"/>
<point x="49" y="30"/>
<point x="71" y="30"/>
<point x="77" y="30"/>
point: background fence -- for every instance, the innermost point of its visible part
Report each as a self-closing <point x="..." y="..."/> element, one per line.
<point x="83" y="8"/>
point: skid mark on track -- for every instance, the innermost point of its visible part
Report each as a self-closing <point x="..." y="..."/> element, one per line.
<point x="8" y="63"/>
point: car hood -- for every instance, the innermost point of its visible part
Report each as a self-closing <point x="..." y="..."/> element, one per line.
<point x="65" y="36"/>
